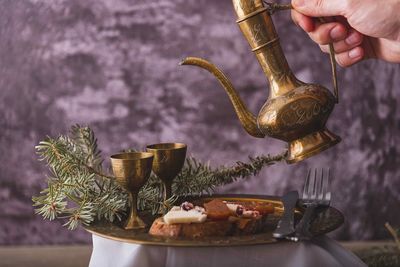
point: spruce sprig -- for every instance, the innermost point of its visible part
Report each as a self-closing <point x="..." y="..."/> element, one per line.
<point x="80" y="192"/>
<point x="77" y="189"/>
<point x="387" y="255"/>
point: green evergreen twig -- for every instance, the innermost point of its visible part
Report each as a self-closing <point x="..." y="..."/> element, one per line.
<point x="80" y="191"/>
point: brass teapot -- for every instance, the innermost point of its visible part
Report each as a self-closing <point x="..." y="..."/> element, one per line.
<point x="295" y="112"/>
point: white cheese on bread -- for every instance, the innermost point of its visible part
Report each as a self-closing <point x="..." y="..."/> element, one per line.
<point x="175" y="216"/>
<point x="232" y="207"/>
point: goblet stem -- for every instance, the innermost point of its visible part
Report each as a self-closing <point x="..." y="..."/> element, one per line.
<point x="134" y="222"/>
<point x="167" y="190"/>
<point x="133" y="200"/>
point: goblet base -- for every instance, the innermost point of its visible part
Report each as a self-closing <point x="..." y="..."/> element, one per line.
<point x="134" y="223"/>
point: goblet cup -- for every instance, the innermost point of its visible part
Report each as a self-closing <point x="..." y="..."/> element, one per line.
<point x="168" y="162"/>
<point x="131" y="171"/>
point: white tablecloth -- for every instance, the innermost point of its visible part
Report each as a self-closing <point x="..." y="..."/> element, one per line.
<point x="321" y="252"/>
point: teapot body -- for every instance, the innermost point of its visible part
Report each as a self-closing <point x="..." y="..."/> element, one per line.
<point x="297" y="113"/>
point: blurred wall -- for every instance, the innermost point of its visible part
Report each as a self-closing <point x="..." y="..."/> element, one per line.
<point x="113" y="65"/>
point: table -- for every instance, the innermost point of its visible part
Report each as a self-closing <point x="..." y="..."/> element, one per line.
<point x="321" y="251"/>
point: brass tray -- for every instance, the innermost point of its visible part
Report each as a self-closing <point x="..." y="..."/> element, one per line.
<point x="327" y="221"/>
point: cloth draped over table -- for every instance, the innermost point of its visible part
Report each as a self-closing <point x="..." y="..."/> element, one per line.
<point x="322" y="251"/>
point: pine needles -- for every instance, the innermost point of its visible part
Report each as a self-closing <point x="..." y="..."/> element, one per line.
<point x="385" y="255"/>
<point x="79" y="191"/>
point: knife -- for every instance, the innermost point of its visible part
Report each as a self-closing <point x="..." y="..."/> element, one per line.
<point x="286" y="224"/>
<point x="302" y="231"/>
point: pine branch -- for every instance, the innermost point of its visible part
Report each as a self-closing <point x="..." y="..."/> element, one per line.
<point x="198" y="178"/>
<point x="382" y="256"/>
<point x="394" y="234"/>
<point x="79" y="190"/>
<point x="86" y="140"/>
<point x="77" y="181"/>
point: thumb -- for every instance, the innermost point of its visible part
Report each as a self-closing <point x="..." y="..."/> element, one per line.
<point x="320" y="8"/>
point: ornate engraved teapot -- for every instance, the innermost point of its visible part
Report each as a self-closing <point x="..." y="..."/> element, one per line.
<point x="295" y="112"/>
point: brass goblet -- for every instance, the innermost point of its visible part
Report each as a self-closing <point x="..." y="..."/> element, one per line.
<point x="168" y="162"/>
<point x="131" y="171"/>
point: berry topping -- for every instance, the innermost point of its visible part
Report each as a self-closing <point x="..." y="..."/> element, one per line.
<point x="239" y="210"/>
<point x="187" y="206"/>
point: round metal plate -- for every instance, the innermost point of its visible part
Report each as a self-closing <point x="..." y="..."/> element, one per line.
<point x="327" y="221"/>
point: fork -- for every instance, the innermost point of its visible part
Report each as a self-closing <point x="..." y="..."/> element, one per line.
<point x="315" y="194"/>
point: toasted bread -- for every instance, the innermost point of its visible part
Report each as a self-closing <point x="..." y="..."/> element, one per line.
<point x="191" y="230"/>
<point x="221" y="221"/>
<point x="210" y="228"/>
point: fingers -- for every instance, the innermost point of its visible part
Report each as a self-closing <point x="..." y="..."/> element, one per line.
<point x="320" y="33"/>
<point x="305" y="22"/>
<point x="320" y="8"/>
<point x="347" y="57"/>
<point x="349" y="50"/>
<point x="351" y="57"/>
<point x="346" y="42"/>
<point x="353" y="40"/>
<point x="328" y="33"/>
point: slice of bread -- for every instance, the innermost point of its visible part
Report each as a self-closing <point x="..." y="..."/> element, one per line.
<point x="221" y="221"/>
<point x="191" y="230"/>
<point x="209" y="228"/>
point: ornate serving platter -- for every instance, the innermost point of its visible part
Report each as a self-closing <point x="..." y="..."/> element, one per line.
<point x="327" y="221"/>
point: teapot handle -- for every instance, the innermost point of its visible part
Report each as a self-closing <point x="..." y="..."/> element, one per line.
<point x="333" y="67"/>
<point x="273" y="7"/>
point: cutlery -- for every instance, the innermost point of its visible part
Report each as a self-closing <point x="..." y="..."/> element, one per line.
<point x="316" y="194"/>
<point x="286" y="224"/>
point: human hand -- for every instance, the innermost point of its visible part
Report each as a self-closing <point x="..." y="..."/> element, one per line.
<point x="358" y="29"/>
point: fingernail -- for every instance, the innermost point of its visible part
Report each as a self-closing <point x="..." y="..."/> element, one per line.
<point x="298" y="3"/>
<point x="336" y="33"/>
<point x="353" y="38"/>
<point x="355" y="53"/>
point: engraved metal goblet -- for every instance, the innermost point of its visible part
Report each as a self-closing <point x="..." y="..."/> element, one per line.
<point x="168" y="162"/>
<point x="131" y="171"/>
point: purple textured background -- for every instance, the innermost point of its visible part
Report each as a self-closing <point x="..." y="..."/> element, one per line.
<point x="112" y="65"/>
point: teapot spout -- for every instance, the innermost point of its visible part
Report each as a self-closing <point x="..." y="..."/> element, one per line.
<point x="247" y="119"/>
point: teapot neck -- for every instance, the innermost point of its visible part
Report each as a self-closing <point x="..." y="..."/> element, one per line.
<point x="258" y="28"/>
<point x="276" y="68"/>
